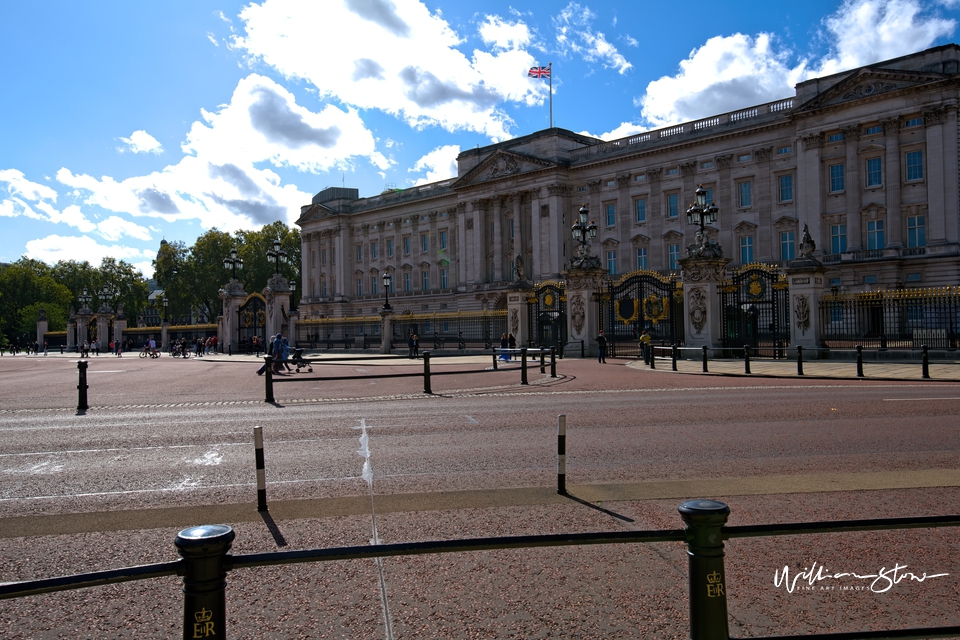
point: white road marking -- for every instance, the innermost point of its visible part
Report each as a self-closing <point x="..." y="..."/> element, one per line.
<point x="471" y="420"/>
<point x="915" y="399"/>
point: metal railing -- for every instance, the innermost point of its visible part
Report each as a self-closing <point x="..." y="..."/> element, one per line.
<point x="205" y="562"/>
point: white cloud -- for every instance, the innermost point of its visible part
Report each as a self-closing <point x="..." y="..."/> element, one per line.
<point x="439" y="164"/>
<point x="53" y="248"/>
<point x="18" y="185"/>
<point x="732" y="72"/>
<point x="141" y="142"/>
<point x="575" y="34"/>
<point x="407" y="63"/>
<point x="212" y="39"/>
<point x="115" y="227"/>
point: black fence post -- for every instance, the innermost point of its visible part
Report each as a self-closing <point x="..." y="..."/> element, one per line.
<point x="704" y="347"/>
<point x="426" y="373"/>
<point x="562" y="454"/>
<point x="261" y="469"/>
<point x="673" y="355"/>
<point x="583" y="349"/>
<point x="204" y="552"/>
<point x="746" y="358"/>
<point x="543" y="362"/>
<point x="523" y="366"/>
<point x="82" y="386"/>
<point x="230" y="350"/>
<point x="494" y="359"/>
<point x="653" y="357"/>
<point x="553" y="362"/>
<point x="859" y="360"/>
<point x="799" y="359"/>
<point x="925" y="367"/>
<point x="704" y="520"/>
<point x="268" y="376"/>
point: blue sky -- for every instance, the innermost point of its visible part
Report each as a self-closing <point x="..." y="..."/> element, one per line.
<point x="123" y="123"/>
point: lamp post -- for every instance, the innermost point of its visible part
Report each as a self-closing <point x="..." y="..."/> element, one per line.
<point x="293" y="295"/>
<point x="165" y="303"/>
<point x="84" y="298"/>
<point x="583" y="233"/>
<point x="107" y="294"/>
<point x="233" y="262"/>
<point x="387" y="281"/>
<point x="700" y="214"/>
<point x="278" y="255"/>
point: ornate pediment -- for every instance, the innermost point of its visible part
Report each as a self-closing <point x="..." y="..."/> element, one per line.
<point x="501" y="164"/>
<point x="868" y="84"/>
<point x="314" y="212"/>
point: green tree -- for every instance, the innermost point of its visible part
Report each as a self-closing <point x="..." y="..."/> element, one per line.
<point x="205" y="268"/>
<point x="169" y="270"/>
<point x="25" y="287"/>
<point x="258" y="267"/>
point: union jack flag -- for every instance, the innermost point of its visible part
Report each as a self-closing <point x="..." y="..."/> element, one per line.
<point x="539" y="72"/>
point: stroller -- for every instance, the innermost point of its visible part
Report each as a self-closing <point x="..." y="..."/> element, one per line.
<point x="299" y="362"/>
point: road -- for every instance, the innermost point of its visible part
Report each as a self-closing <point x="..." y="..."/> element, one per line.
<point x="166" y="440"/>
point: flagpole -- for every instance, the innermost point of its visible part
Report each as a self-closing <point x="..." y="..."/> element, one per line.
<point x="550" y="75"/>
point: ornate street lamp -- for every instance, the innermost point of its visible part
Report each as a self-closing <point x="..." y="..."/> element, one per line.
<point x="278" y="255"/>
<point x="165" y="303"/>
<point x="84" y="298"/>
<point x="387" y="281"/>
<point x="293" y="295"/>
<point x="106" y="293"/>
<point x="233" y="262"/>
<point x="700" y="214"/>
<point x="583" y="233"/>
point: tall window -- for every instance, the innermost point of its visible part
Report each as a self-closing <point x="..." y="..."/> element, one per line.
<point x="443" y="279"/>
<point x="511" y="228"/>
<point x="745" y="197"/>
<point x="786" y="188"/>
<point x="673" y="205"/>
<point x="443" y="239"/>
<point x="424" y="242"/>
<point x="359" y="286"/>
<point x="374" y="286"/>
<point x="787" y="247"/>
<point x="916" y="231"/>
<point x="425" y="280"/>
<point x="874" y="172"/>
<point x="406" y="245"/>
<point x="875" y="234"/>
<point x="836" y="178"/>
<point x="612" y="262"/>
<point x="406" y="282"/>
<point x="611" y="210"/>
<point x="390" y="247"/>
<point x="641" y="205"/>
<point x="914" y="165"/>
<point x="673" y="254"/>
<point x="642" y="258"/>
<point x="373" y="250"/>
<point x="838" y="238"/>
<point x="323" y="256"/>
<point x="359" y="252"/>
<point x="323" y="287"/>
<point x="746" y="249"/>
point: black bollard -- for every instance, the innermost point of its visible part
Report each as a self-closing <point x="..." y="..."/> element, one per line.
<point x="543" y="362"/>
<point x="553" y="362"/>
<point x="704" y="347"/>
<point x="673" y="355"/>
<point x="261" y="469"/>
<point x="799" y="360"/>
<point x="495" y="360"/>
<point x="704" y="520"/>
<point x="746" y="358"/>
<point x="653" y="356"/>
<point x="562" y="454"/>
<point x="268" y="375"/>
<point x="925" y="367"/>
<point x="230" y="350"/>
<point x="426" y="373"/>
<point x="82" y="386"/>
<point x="523" y="366"/>
<point x="859" y="360"/>
<point x="204" y="552"/>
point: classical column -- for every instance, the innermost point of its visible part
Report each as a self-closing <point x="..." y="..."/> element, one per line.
<point x="119" y="324"/>
<point x="936" y="178"/>
<point x="498" y="237"/>
<point x="892" y="180"/>
<point x="277" y="294"/>
<point x="809" y="178"/>
<point x="72" y="330"/>
<point x="853" y="189"/>
<point x="103" y="327"/>
<point x="583" y="287"/>
<point x="42" y="324"/>
<point x="386" y="330"/>
<point x="232" y="295"/>
<point x="517" y="311"/>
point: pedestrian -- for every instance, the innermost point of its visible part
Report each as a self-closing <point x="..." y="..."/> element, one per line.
<point x="645" y="346"/>
<point x="285" y="354"/>
<point x="504" y="345"/>
<point x="602" y="343"/>
<point x="44" y="347"/>
<point x="416" y="346"/>
<point x="410" y="344"/>
<point x="511" y="343"/>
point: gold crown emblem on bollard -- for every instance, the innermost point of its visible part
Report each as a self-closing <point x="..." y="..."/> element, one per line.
<point x="714" y="577"/>
<point x="203" y="615"/>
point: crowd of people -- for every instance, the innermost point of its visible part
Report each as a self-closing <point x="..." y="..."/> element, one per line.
<point x="279" y="349"/>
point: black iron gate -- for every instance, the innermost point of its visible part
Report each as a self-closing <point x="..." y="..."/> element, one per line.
<point x="251" y="320"/>
<point x="641" y="300"/>
<point x="547" y="316"/>
<point x="755" y="308"/>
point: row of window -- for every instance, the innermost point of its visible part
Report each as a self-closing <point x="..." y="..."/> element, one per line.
<point x="375" y="248"/>
<point x="913" y="161"/>
<point x="407" y="284"/>
<point x="916" y="234"/>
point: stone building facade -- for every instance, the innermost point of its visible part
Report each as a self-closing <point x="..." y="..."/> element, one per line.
<point x="866" y="159"/>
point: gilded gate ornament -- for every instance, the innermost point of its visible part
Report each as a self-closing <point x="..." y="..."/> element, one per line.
<point x="655" y="309"/>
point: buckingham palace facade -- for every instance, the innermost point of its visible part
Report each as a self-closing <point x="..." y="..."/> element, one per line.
<point x="866" y="159"/>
